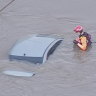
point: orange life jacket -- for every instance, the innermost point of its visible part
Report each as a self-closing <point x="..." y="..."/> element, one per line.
<point x="88" y="37"/>
<point x="84" y="41"/>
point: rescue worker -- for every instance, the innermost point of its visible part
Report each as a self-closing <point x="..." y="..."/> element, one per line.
<point x="84" y="39"/>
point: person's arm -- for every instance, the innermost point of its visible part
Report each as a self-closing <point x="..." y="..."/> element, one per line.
<point x="77" y="40"/>
<point x="83" y="46"/>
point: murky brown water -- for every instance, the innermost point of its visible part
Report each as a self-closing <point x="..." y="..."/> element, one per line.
<point x="68" y="71"/>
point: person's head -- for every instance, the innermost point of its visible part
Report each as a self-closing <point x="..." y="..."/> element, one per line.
<point x="78" y="29"/>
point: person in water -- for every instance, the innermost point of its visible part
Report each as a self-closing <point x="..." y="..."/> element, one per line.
<point x="84" y="39"/>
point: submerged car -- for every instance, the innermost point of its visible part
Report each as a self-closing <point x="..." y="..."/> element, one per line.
<point x="36" y="48"/>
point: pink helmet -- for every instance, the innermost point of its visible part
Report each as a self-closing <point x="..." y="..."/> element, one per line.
<point x="78" y="29"/>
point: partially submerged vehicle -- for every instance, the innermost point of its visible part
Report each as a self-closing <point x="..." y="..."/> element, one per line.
<point x="36" y="48"/>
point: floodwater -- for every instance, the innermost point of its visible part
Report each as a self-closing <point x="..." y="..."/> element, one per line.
<point x="68" y="71"/>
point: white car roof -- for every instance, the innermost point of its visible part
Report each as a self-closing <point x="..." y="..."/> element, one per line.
<point x="34" y="46"/>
